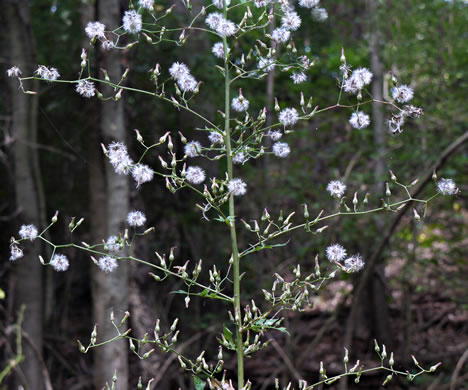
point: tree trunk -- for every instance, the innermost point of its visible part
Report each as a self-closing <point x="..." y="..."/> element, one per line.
<point x="109" y="208"/>
<point x="24" y="121"/>
<point x="377" y="285"/>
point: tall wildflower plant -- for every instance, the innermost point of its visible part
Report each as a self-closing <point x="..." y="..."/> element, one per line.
<point x="242" y="135"/>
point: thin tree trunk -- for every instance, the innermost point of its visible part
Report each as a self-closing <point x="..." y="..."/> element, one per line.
<point x="24" y="125"/>
<point x="377" y="285"/>
<point x="110" y="291"/>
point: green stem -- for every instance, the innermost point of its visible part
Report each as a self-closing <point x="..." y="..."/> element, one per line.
<point x="232" y="222"/>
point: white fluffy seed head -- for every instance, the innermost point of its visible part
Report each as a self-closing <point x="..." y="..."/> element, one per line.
<point x="112" y="244"/>
<point x="132" y="21"/>
<point x="192" y="149"/>
<point x="336" y="188"/>
<point x="136" y="218"/>
<point x="281" y="149"/>
<point x="107" y="263"/>
<point x="291" y="21"/>
<point x="28" y="232"/>
<point x="447" y="187"/>
<point x="275" y="135"/>
<point x="49" y="74"/>
<point x="281" y="34"/>
<point x="218" y="50"/>
<point x="237" y="187"/>
<point x="86" y="88"/>
<point x="95" y="30"/>
<point x="335" y="253"/>
<point x="288" y="117"/>
<point x="354" y="263"/>
<point x="403" y="93"/>
<point x="240" y="104"/>
<point x="60" y="262"/>
<point x="308" y="3"/>
<point x="142" y="174"/>
<point x="215" y="137"/>
<point x="195" y="175"/>
<point x="359" y="120"/>
<point x="298" y="77"/>
<point x="119" y="158"/>
<point x="15" y="252"/>
<point x="147" y="4"/>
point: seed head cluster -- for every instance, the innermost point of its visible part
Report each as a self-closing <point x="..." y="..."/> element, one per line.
<point x="181" y="73"/>
<point x="358" y="80"/>
<point x="288" y="117"/>
<point x="136" y="218"/>
<point x="281" y="149"/>
<point x="28" y="232"/>
<point x="447" y="187"/>
<point x="95" y="30"/>
<point x="359" y="120"/>
<point x="220" y="24"/>
<point x="237" y="187"/>
<point x="335" y="253"/>
<point x="15" y="252"/>
<point x="336" y="188"/>
<point x="193" y="149"/>
<point x="60" y="262"/>
<point x="148" y="4"/>
<point x="86" y="88"/>
<point x="132" y="21"/>
<point x="195" y="175"/>
<point x="142" y="174"/>
<point x="119" y="158"/>
<point x="49" y="74"/>
<point x="403" y="93"/>
<point x="107" y="264"/>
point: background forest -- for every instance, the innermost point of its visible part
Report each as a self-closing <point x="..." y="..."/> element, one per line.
<point x="413" y="293"/>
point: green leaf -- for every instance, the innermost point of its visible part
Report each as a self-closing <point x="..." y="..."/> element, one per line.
<point x="200" y="384"/>
<point x="179" y="292"/>
<point x="227" y="334"/>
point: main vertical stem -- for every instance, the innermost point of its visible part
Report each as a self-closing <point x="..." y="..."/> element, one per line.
<point x="232" y="222"/>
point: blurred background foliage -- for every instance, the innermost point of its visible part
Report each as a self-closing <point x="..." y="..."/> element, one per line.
<point x="423" y="43"/>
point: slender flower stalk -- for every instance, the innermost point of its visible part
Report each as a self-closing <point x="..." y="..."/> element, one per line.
<point x="232" y="214"/>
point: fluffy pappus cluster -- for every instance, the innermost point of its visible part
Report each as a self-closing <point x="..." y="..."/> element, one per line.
<point x="447" y="187"/>
<point x="147" y="4"/>
<point x="193" y="149"/>
<point x="237" y="187"/>
<point x="288" y="117"/>
<point x="281" y="149"/>
<point x="60" y="262"/>
<point x="195" y="175"/>
<point x="136" y="218"/>
<point x="142" y="174"/>
<point x="336" y="253"/>
<point x="357" y="81"/>
<point x="107" y="264"/>
<point x="119" y="158"/>
<point x="359" y="120"/>
<point x="336" y="188"/>
<point x="220" y="24"/>
<point x="49" y="74"/>
<point x="181" y="74"/>
<point x="86" y="88"/>
<point x="28" y="232"/>
<point x="95" y="30"/>
<point x="132" y="21"/>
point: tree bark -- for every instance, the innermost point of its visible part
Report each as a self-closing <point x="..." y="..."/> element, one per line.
<point x="28" y="270"/>
<point x="377" y="284"/>
<point x="109" y="208"/>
